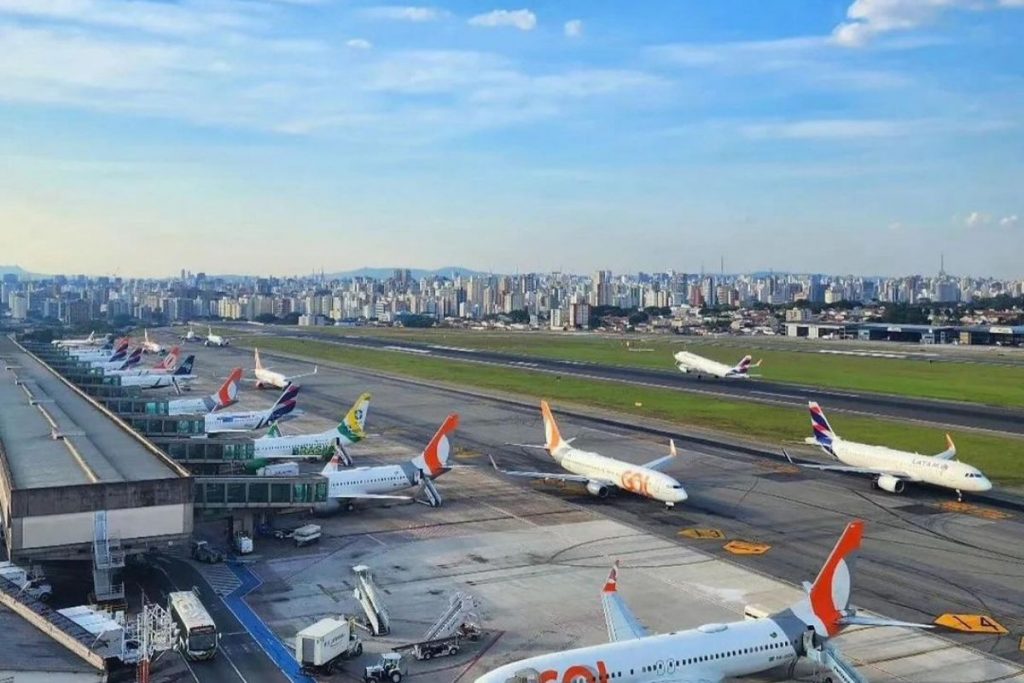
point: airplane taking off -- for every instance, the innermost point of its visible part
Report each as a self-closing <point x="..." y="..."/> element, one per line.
<point x="150" y="346"/>
<point x="713" y="652"/>
<point x="283" y="408"/>
<point x="178" y="379"/>
<point x="691" y="363"/>
<point x="601" y="474"/>
<point x="276" y="446"/>
<point x="92" y="340"/>
<point x="166" y="365"/>
<point x="381" y="482"/>
<point x="892" y="468"/>
<point x="225" y="396"/>
<point x="265" y="377"/>
<point x="214" y="339"/>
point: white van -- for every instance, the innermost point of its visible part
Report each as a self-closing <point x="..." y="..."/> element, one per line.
<point x="304" y="535"/>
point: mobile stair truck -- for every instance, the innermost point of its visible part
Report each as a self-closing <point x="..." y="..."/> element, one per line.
<point x="319" y="648"/>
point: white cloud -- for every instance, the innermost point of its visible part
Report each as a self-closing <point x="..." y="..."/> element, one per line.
<point x="819" y="129"/>
<point x="522" y="19"/>
<point x="1012" y="220"/>
<point x="977" y="219"/>
<point x="867" y="19"/>
<point x="358" y="44"/>
<point x="574" y="28"/>
<point x="143" y="15"/>
<point x="896" y="226"/>
<point x="405" y="13"/>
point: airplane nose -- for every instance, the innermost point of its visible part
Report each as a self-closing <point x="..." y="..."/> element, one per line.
<point x="681" y="495"/>
<point x="986" y="484"/>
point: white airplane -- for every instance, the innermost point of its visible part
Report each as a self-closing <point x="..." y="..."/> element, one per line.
<point x="191" y="335"/>
<point x="713" y="652"/>
<point x="92" y="341"/>
<point x="150" y="346"/>
<point x="179" y="379"/>
<point x="214" y="339"/>
<point x="265" y="377"/>
<point x="699" y="365"/>
<point x="383" y="481"/>
<point x="164" y="366"/>
<point x="109" y="353"/>
<point x="892" y="468"/>
<point x="276" y="446"/>
<point x="225" y="396"/>
<point x="132" y="359"/>
<point x="219" y="423"/>
<point x="601" y="474"/>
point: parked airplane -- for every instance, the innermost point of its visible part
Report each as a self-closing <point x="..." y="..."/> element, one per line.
<point x="265" y="377"/>
<point x="276" y="446"/>
<point x="191" y="336"/>
<point x="892" y="468"/>
<point x="601" y="474"/>
<point x="214" y="339"/>
<point x="150" y="346"/>
<point x="108" y="353"/>
<point x="217" y="423"/>
<point x="179" y="379"/>
<point x="132" y="359"/>
<point x="382" y="482"/>
<point x="699" y="365"/>
<point x="713" y="652"/>
<point x="225" y="396"/>
<point x="165" y="365"/>
<point x="91" y="341"/>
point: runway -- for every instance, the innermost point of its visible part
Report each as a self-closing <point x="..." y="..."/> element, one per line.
<point x="943" y="414"/>
<point x="919" y="559"/>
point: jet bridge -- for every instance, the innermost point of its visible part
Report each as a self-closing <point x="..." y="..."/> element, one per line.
<point x="369" y="599"/>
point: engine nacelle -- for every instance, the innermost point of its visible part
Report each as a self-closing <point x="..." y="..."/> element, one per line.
<point x="683" y="369"/>
<point x="327" y="508"/>
<point x="889" y="483"/>
<point x="596" y="489"/>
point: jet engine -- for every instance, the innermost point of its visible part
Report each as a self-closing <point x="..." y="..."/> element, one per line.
<point x="597" y="489"/>
<point x="326" y="508"/>
<point x="889" y="483"/>
<point x="683" y="369"/>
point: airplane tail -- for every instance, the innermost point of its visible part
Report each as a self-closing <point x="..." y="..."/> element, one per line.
<point x="433" y="461"/>
<point x="826" y="606"/>
<point x="554" y="442"/>
<point x="228" y="392"/>
<point x="170" y="360"/>
<point x="285" y="403"/>
<point x="743" y="367"/>
<point x="186" y="367"/>
<point x="91" y="337"/>
<point x="820" y="428"/>
<point x="133" y="359"/>
<point x="353" y="424"/>
<point x="256" y="353"/>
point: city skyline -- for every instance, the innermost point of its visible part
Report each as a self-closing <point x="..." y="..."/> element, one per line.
<point x="279" y="137"/>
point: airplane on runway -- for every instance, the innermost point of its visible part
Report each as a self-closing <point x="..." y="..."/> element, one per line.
<point x="277" y="446"/>
<point x="191" y="336"/>
<point x="283" y="408"/>
<point x="892" y="468"/>
<point x="225" y="396"/>
<point x="381" y="482"/>
<point x="165" y="365"/>
<point x="710" y="653"/>
<point x="214" y="339"/>
<point x="91" y="341"/>
<point x="132" y="359"/>
<point x="265" y="377"/>
<point x="601" y="474"/>
<point x="179" y="379"/>
<point x="691" y="363"/>
<point x="150" y="346"/>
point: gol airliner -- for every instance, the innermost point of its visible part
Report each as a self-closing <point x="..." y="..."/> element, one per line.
<point x="601" y="474"/>
<point x="225" y="396"/>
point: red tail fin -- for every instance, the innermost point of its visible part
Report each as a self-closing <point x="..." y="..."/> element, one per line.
<point x="830" y="592"/>
<point x="228" y="392"/>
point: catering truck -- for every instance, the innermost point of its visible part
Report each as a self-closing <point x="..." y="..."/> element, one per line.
<point x="320" y="647"/>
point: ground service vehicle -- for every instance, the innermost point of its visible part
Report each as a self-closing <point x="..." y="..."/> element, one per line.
<point x="197" y="633"/>
<point x="304" y="535"/>
<point x="320" y="647"/>
<point x="36" y="586"/>
<point x="202" y="551"/>
<point x="389" y="668"/>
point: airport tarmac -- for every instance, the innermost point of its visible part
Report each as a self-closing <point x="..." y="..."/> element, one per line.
<point x="921" y="558"/>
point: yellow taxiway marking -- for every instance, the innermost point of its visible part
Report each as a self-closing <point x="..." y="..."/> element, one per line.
<point x="747" y="547"/>
<point x="702" y="534"/>
<point x="972" y="623"/>
<point x="465" y="453"/>
<point x="976" y="510"/>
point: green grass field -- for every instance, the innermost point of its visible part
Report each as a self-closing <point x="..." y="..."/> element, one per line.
<point x="972" y="382"/>
<point x="1001" y="458"/>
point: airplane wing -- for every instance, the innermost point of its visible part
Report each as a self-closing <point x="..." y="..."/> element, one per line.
<point x="622" y="625"/>
<point x="851" y="469"/>
<point x="658" y="463"/>
<point x="292" y="378"/>
<point x="373" y="496"/>
<point x="550" y="476"/>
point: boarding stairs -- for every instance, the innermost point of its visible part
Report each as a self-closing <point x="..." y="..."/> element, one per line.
<point x="831" y="665"/>
<point x="459" y="611"/>
<point x="107" y="562"/>
<point x="369" y="599"/>
<point x="430" y="495"/>
<point x="342" y="455"/>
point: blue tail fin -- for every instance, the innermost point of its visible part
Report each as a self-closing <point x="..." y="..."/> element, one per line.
<point x="820" y="427"/>
<point x="186" y="367"/>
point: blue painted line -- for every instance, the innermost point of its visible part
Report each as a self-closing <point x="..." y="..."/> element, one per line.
<point x="261" y="633"/>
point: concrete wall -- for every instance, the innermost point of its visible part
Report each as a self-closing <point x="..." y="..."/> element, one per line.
<point x="77" y="527"/>
<point x="93" y="497"/>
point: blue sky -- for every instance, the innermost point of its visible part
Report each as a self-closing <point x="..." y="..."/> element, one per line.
<point x="282" y="136"/>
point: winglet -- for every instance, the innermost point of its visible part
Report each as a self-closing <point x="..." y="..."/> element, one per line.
<point x="788" y="456"/>
<point x="672" y="447"/>
<point x="949" y="444"/>
<point x="612" y="584"/>
<point x="494" y="464"/>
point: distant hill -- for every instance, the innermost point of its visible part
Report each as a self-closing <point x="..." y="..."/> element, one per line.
<point x="417" y="273"/>
<point x="16" y="270"/>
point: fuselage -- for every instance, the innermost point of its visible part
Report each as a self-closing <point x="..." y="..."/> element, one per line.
<point x="690" y="362"/>
<point x="191" y="406"/>
<point x="636" y="479"/>
<point x="236" y="422"/>
<point x="384" y="479"/>
<point x="299" y="445"/>
<point x="155" y="381"/>
<point x="926" y="468"/>
<point x="709" y="652"/>
<point x="269" y="378"/>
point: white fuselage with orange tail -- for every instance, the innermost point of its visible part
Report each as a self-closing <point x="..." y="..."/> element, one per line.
<point x="709" y="653"/>
<point x="227" y="395"/>
<point x="691" y="363"/>
<point x="601" y="474"/>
